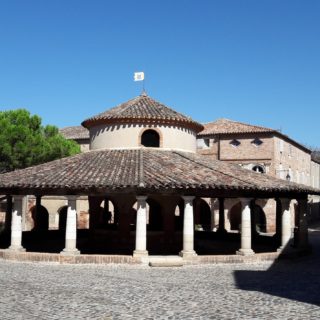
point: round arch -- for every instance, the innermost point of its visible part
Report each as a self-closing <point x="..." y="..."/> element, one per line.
<point x="150" y="137"/>
<point x="258" y="221"/>
<point x="40" y="218"/>
<point x="235" y="216"/>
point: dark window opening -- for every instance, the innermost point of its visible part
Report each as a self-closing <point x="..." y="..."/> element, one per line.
<point x="258" y="169"/>
<point x="150" y="138"/>
<point x="235" y="143"/>
<point x="257" y="142"/>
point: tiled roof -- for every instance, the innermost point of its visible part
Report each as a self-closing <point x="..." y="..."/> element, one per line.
<point x="142" y="109"/>
<point x="225" y="126"/>
<point x="142" y="170"/>
<point x="315" y="156"/>
<point x="75" y="133"/>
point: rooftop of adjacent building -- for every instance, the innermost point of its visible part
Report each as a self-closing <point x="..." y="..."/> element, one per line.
<point x="229" y="127"/>
<point x="75" y="133"/>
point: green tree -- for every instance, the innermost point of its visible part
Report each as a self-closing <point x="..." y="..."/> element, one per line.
<point x="25" y="142"/>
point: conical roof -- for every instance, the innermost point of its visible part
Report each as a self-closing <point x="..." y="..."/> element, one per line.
<point x="142" y="109"/>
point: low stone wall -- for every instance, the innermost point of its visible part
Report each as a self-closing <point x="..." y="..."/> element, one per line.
<point x="258" y="257"/>
<point x="62" y="259"/>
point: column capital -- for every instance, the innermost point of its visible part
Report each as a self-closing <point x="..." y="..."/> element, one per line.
<point x="188" y="198"/>
<point x="18" y="196"/>
<point x="141" y="198"/>
<point x="245" y="201"/>
<point x="72" y="197"/>
<point x="285" y="203"/>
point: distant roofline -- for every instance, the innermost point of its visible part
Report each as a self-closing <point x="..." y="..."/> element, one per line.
<point x="267" y="131"/>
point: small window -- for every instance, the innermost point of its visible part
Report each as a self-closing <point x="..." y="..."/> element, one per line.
<point x="206" y="142"/>
<point x="235" y="143"/>
<point x="258" y="169"/>
<point x="257" y="142"/>
<point x="150" y="138"/>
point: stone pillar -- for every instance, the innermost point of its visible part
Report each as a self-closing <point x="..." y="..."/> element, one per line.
<point x="141" y="228"/>
<point x="302" y="234"/>
<point x="286" y="230"/>
<point x="71" y="228"/>
<point x="214" y="216"/>
<point x="245" y="228"/>
<point x="16" y="225"/>
<point x="188" y="228"/>
<point x="221" y="228"/>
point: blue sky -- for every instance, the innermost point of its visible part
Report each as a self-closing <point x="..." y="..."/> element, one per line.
<point x="247" y="60"/>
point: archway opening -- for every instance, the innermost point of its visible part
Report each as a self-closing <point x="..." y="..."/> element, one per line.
<point x="150" y="138"/>
<point x="235" y="217"/>
<point x="259" y="221"/>
<point x="40" y="218"/>
<point x="63" y="218"/>
<point x="204" y="218"/>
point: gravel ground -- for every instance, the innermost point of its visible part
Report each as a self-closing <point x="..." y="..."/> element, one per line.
<point x="283" y="290"/>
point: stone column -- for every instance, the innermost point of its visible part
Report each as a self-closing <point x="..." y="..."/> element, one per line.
<point x="303" y="242"/>
<point x="221" y="228"/>
<point x="214" y="216"/>
<point x="286" y="230"/>
<point x="245" y="228"/>
<point x="16" y="225"/>
<point x="141" y="228"/>
<point x="71" y="228"/>
<point x="188" y="228"/>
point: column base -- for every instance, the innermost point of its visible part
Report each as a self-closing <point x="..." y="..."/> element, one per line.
<point x="16" y="249"/>
<point x="189" y="255"/>
<point x="245" y="252"/>
<point x="70" y="252"/>
<point x="140" y="253"/>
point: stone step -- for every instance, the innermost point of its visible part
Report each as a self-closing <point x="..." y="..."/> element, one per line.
<point x="165" y="261"/>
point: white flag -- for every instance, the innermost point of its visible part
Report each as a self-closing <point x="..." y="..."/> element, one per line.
<point x="138" y="76"/>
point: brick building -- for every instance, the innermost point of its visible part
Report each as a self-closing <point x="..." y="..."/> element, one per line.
<point x="264" y="150"/>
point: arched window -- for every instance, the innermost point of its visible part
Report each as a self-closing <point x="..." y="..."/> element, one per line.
<point x="150" y="138"/>
<point x="258" y="168"/>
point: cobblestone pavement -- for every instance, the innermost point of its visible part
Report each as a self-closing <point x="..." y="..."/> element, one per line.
<point x="284" y="290"/>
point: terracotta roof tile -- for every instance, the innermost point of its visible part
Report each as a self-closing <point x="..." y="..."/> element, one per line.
<point x="142" y="109"/>
<point x="225" y="126"/>
<point x="75" y="132"/>
<point x="137" y="170"/>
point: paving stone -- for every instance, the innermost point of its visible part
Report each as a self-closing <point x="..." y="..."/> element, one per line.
<point x="288" y="289"/>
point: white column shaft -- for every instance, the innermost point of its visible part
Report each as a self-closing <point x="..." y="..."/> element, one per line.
<point x="286" y="223"/>
<point x="141" y="226"/>
<point x="188" y="228"/>
<point x="16" y="225"/>
<point x="245" y="228"/>
<point x="71" y="228"/>
<point x="214" y="215"/>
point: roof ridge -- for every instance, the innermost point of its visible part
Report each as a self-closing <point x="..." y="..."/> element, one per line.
<point x="240" y="122"/>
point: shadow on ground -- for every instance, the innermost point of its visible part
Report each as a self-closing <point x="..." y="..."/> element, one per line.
<point x="295" y="279"/>
<point x="109" y="242"/>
